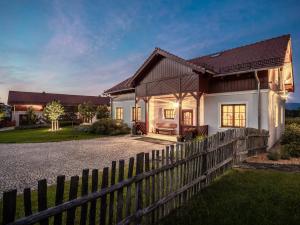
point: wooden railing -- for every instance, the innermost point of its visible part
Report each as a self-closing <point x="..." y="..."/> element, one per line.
<point x="141" y="126"/>
<point x="162" y="181"/>
<point x="202" y="130"/>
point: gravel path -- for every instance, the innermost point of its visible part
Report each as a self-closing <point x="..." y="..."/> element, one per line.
<point x="21" y="165"/>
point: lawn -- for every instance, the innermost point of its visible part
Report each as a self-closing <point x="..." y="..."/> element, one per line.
<point x="43" y="135"/>
<point x="244" y="197"/>
<point x="239" y="197"/>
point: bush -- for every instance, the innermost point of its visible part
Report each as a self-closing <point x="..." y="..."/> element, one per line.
<point x="290" y="120"/>
<point x="291" y="140"/>
<point x="109" y="127"/>
<point x="83" y="128"/>
<point x="69" y="123"/>
<point x="284" y="152"/>
<point x="273" y="156"/>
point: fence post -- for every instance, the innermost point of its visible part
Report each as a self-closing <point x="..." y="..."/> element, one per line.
<point x="9" y="206"/>
<point x="104" y="184"/>
<point x="42" y="199"/>
<point x="139" y="191"/>
<point x="112" y="194"/>
<point x="84" y="191"/>
<point x="59" y="196"/>
<point x="120" y="197"/>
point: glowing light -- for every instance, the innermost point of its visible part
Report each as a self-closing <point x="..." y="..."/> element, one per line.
<point x="175" y="104"/>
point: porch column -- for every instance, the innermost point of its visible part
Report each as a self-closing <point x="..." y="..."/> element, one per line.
<point x="180" y="112"/>
<point x="146" y="100"/>
<point x="197" y="97"/>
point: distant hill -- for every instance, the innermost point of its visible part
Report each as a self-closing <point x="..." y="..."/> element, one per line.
<point x="292" y="105"/>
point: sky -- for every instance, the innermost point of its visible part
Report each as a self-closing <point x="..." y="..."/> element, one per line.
<point x="85" y="47"/>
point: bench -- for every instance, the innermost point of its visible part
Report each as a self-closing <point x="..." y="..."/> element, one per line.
<point x="169" y="128"/>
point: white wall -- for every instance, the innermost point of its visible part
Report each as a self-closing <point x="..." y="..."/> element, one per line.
<point x="275" y="101"/>
<point x="212" y="114"/>
<point x="16" y="115"/>
<point x="127" y="101"/>
<point x="269" y="101"/>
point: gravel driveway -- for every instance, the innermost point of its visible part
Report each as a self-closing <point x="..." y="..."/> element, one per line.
<point x="21" y="165"/>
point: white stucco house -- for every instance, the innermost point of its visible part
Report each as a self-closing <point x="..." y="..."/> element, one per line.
<point x="245" y="86"/>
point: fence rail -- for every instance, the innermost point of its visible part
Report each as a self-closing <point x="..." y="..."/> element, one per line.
<point x="155" y="183"/>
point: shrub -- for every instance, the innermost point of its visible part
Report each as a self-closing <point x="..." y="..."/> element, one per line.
<point x="83" y="128"/>
<point x="284" y="152"/>
<point x="109" y="127"/>
<point x="291" y="140"/>
<point x="273" y="156"/>
<point x="290" y="120"/>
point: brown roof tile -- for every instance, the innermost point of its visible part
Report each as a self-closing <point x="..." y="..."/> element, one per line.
<point x="261" y="54"/>
<point x="20" y="97"/>
<point x="122" y="86"/>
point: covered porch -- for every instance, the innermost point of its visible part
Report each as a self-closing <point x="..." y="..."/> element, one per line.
<point x="167" y="116"/>
<point x="170" y="92"/>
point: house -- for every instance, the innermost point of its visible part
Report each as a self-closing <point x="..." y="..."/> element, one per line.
<point x="21" y="101"/>
<point x="245" y="86"/>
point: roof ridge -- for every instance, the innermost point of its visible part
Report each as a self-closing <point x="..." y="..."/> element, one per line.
<point x="242" y="46"/>
<point x="31" y="92"/>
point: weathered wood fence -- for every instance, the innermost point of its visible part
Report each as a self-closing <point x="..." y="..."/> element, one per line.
<point x="154" y="184"/>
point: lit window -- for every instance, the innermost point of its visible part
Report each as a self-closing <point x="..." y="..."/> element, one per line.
<point x="169" y="113"/>
<point x="233" y="115"/>
<point x="119" y="113"/>
<point x="136" y="114"/>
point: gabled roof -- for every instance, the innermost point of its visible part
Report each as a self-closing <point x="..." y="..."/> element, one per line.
<point x="163" y="53"/>
<point x="128" y="84"/>
<point x="125" y="85"/>
<point x="263" y="54"/>
<point x="259" y="55"/>
<point x="20" y="97"/>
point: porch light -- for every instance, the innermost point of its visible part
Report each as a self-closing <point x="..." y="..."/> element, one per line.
<point x="175" y="104"/>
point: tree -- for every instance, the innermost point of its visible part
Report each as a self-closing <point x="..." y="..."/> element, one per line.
<point x="31" y="116"/>
<point x="53" y="111"/>
<point x="2" y="112"/>
<point x="87" y="111"/>
<point x="102" y="112"/>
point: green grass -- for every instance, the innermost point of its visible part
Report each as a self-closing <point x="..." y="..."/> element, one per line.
<point x="244" y="197"/>
<point x="43" y="135"/>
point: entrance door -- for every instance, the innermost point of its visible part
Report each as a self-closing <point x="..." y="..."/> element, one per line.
<point x="187" y="117"/>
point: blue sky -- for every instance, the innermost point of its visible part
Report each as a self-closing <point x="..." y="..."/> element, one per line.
<point x="85" y="47"/>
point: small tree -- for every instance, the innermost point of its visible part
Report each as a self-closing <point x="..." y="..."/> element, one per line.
<point x="53" y="111"/>
<point x="31" y="116"/>
<point x="102" y="112"/>
<point x="87" y="111"/>
<point x="2" y="113"/>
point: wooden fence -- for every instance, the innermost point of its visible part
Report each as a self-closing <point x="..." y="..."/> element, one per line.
<point x="154" y="184"/>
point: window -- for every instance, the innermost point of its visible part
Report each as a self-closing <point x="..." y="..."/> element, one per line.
<point x="136" y="114"/>
<point x="119" y="113"/>
<point x="169" y="113"/>
<point x="233" y="115"/>
<point x="187" y="117"/>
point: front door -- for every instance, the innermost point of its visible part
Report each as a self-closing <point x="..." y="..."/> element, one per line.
<point x="187" y="117"/>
